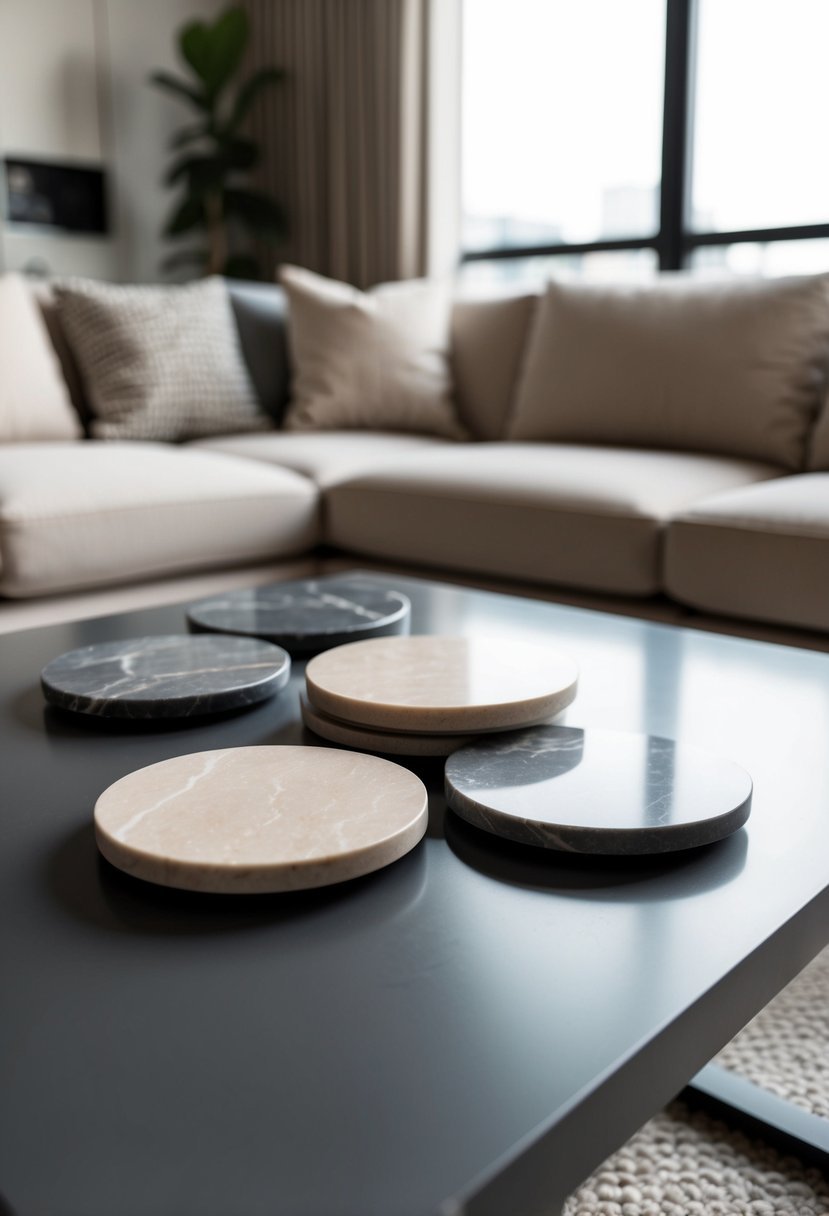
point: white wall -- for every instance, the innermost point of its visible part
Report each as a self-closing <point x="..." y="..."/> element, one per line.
<point x="73" y="87"/>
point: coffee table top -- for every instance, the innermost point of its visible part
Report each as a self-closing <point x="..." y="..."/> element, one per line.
<point x="475" y="1026"/>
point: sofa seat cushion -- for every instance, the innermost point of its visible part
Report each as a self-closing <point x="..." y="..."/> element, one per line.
<point x="760" y="552"/>
<point x="586" y="517"/>
<point x="324" y="456"/>
<point x="79" y="515"/>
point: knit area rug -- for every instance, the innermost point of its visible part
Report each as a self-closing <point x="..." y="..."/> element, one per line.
<point x="685" y="1163"/>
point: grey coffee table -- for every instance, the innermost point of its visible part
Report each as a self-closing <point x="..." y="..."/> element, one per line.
<point x="468" y="1033"/>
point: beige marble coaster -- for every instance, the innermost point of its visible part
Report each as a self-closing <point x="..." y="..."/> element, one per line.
<point x="390" y="743"/>
<point x="247" y="820"/>
<point x="441" y="684"/>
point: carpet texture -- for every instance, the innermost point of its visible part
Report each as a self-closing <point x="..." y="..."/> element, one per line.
<point x="685" y="1163"/>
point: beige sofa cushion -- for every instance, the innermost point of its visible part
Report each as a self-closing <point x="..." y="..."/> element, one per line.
<point x="577" y="516"/>
<point x="324" y="456"/>
<point x="89" y="514"/>
<point x="737" y="368"/>
<point x="34" y="398"/>
<point x="760" y="552"/>
<point x="376" y="360"/>
<point x="488" y="341"/>
<point x="159" y="362"/>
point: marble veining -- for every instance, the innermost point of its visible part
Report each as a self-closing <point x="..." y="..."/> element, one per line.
<point x="261" y="819"/>
<point x="596" y="791"/>
<point x="441" y="684"/>
<point x="307" y="615"/>
<point x="166" y="677"/>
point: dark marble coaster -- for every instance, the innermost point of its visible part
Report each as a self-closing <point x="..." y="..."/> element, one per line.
<point x="165" y="677"/>
<point x="597" y="791"/>
<point x="306" y="616"/>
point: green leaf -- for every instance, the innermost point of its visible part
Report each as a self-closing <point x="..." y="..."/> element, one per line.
<point x="189" y="135"/>
<point x="185" y="216"/>
<point x="240" y="153"/>
<point x="255" y="211"/>
<point x="215" y="51"/>
<point x="181" y="259"/>
<point x="241" y="266"/>
<point x="194" y="44"/>
<point x="249" y="91"/>
<point x="202" y="173"/>
<point x="182" y="90"/>
<point x="210" y="172"/>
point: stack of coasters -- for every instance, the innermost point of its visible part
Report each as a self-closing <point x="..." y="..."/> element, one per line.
<point x="428" y="696"/>
<point x="306" y="616"/>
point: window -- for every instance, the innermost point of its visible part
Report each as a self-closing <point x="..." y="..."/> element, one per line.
<point x="609" y="140"/>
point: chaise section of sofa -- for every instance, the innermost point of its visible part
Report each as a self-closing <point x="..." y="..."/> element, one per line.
<point x="93" y="514"/>
<point x="760" y="553"/>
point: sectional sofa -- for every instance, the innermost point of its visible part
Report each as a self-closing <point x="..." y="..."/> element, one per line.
<point x="89" y="526"/>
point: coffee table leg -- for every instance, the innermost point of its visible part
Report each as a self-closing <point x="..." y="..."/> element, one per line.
<point x="760" y="1113"/>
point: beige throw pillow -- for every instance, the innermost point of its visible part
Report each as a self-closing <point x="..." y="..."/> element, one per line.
<point x="34" y="398"/>
<point x="736" y="368"/>
<point x="375" y="360"/>
<point x="159" y="362"/>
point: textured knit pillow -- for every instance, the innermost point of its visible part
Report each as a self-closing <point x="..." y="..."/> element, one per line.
<point x="34" y="398"/>
<point x="375" y="360"/>
<point x="736" y="367"/>
<point x="159" y="362"/>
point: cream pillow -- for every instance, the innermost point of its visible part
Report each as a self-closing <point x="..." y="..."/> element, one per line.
<point x="34" y="398"/>
<point x="159" y="362"/>
<point x="375" y="360"/>
<point x="736" y="368"/>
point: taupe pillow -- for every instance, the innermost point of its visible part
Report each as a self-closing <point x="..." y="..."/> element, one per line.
<point x="34" y="398"/>
<point x="488" y="341"/>
<point x="159" y="362"/>
<point x="375" y="360"/>
<point x="736" y="368"/>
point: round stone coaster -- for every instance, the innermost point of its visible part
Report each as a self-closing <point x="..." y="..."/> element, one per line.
<point x="247" y="820"/>
<point x="437" y="685"/>
<point x="307" y="616"/>
<point x="165" y="677"/>
<point x="597" y="791"/>
<point x="364" y="738"/>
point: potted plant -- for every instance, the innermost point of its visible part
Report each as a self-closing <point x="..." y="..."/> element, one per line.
<point x="213" y="158"/>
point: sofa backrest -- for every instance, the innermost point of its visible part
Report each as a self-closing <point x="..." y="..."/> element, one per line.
<point x="487" y="344"/>
<point x="489" y="336"/>
<point x="261" y="311"/>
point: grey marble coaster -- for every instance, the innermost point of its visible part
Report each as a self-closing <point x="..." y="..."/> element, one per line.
<point x="166" y="677"/>
<point x="306" y="616"/>
<point x="388" y="743"/>
<point x="597" y="791"/>
<point x="248" y="820"/>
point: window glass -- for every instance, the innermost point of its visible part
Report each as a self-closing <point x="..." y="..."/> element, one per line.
<point x="759" y="158"/>
<point x="562" y="120"/>
<point x="772" y="258"/>
<point x="618" y="266"/>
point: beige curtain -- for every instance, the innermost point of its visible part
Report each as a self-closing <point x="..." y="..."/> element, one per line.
<point x="350" y="142"/>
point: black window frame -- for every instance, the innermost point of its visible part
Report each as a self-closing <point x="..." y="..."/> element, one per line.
<point x="674" y="242"/>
